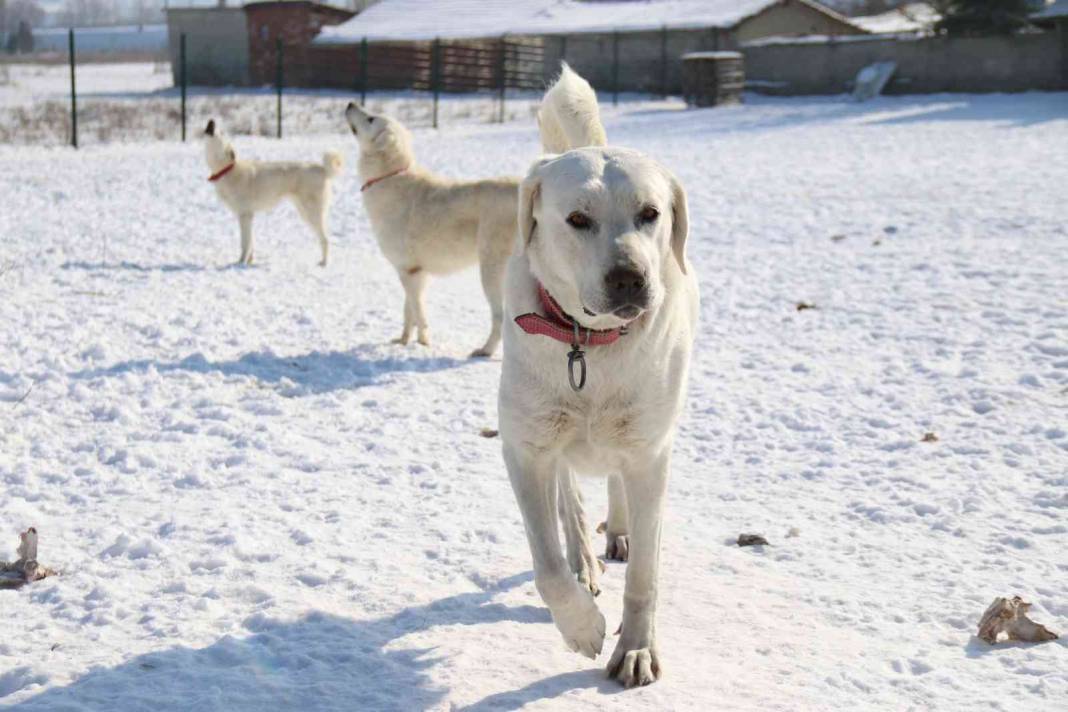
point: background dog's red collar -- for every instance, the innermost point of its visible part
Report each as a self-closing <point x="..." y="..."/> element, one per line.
<point x="558" y="325"/>
<point x="216" y="176"/>
<point x="371" y="182"/>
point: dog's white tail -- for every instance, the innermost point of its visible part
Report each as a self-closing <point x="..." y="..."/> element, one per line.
<point x="569" y="117"/>
<point x="332" y="162"/>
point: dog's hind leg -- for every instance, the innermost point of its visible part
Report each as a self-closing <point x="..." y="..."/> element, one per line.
<point x="534" y="480"/>
<point x="615" y="528"/>
<point x="580" y="556"/>
<point x="245" y="220"/>
<point x="314" y="213"/>
<point x="491" y="269"/>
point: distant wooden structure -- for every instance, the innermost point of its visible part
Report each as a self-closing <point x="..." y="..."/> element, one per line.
<point x="713" y="78"/>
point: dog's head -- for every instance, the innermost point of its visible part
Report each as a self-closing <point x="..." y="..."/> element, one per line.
<point x="378" y="134"/>
<point x="603" y="228"/>
<point x="217" y="149"/>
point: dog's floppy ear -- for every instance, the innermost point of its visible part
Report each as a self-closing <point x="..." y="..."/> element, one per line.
<point x="210" y="130"/>
<point x="529" y="200"/>
<point x="529" y="194"/>
<point x="680" y="222"/>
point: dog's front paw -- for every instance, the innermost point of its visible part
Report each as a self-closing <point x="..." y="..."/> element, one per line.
<point x="632" y="666"/>
<point x="402" y="340"/>
<point x="424" y="340"/>
<point x="581" y="624"/>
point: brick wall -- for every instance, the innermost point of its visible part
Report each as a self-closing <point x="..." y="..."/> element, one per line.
<point x="295" y="24"/>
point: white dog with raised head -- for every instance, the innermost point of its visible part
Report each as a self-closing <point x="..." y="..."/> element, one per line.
<point x="428" y="225"/>
<point x="250" y="187"/>
<point x="601" y="313"/>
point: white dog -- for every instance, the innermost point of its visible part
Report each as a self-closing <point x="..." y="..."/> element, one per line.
<point x="427" y="225"/>
<point x="250" y="187"/>
<point x="601" y="312"/>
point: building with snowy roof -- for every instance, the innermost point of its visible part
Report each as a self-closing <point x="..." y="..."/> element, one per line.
<point x="619" y="45"/>
<point x="627" y="45"/>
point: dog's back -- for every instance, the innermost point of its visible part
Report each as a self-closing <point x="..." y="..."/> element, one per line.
<point x="569" y="117"/>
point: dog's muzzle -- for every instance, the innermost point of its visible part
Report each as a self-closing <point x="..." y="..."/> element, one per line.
<point x="627" y="292"/>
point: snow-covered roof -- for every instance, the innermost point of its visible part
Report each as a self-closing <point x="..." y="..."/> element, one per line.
<point x="427" y="19"/>
<point x="1057" y="8"/>
<point x="911" y="17"/>
<point x="712" y="55"/>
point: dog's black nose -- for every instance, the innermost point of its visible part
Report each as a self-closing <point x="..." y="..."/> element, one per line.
<point x="624" y="285"/>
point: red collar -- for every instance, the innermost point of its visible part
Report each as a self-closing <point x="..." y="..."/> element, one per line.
<point x="560" y="326"/>
<point x="371" y="182"/>
<point x="216" y="176"/>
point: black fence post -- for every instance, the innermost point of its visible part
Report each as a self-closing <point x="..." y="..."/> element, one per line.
<point x="363" y="71"/>
<point x="73" y="93"/>
<point x="184" y="78"/>
<point x="435" y="75"/>
<point x="663" y="61"/>
<point x="501" y="79"/>
<point x="278" y="81"/>
<point x="615" y="69"/>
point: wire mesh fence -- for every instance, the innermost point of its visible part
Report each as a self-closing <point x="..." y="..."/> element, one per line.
<point x="295" y="90"/>
<point x="264" y="84"/>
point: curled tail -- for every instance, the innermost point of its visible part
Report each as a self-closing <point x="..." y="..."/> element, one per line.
<point x="569" y="117"/>
<point x="332" y="162"/>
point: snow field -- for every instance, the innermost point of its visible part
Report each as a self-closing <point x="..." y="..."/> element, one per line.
<point x="257" y="502"/>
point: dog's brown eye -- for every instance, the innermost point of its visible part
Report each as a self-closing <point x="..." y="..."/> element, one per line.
<point x="579" y="221"/>
<point x="649" y="214"/>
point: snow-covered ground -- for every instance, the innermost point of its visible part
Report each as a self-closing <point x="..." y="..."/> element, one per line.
<point x="33" y="82"/>
<point x="257" y="502"/>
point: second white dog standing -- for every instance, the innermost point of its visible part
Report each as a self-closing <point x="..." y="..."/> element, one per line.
<point x="250" y="187"/>
<point x="426" y="224"/>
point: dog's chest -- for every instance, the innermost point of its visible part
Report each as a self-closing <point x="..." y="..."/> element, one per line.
<point x="593" y="435"/>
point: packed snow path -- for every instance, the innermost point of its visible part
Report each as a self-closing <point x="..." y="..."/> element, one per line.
<point x="257" y="502"/>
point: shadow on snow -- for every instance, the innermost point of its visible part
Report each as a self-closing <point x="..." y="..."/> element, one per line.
<point x="132" y="266"/>
<point x="318" y="662"/>
<point x="305" y="374"/>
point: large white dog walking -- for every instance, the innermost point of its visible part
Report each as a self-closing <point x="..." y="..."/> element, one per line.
<point x="250" y="187"/>
<point x="601" y="308"/>
<point x="426" y="224"/>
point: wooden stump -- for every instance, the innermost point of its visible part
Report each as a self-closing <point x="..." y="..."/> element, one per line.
<point x="713" y="78"/>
